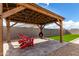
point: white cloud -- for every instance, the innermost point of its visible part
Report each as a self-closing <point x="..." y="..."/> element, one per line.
<point x="66" y="24"/>
<point x="52" y="26"/>
<point x="47" y="4"/>
<point x="71" y="25"/>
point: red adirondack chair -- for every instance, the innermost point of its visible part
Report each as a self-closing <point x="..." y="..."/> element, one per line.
<point x="25" y="41"/>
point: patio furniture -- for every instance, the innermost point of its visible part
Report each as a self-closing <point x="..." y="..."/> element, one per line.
<point x="25" y="41"/>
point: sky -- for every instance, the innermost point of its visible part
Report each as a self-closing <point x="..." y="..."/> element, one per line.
<point x="70" y="11"/>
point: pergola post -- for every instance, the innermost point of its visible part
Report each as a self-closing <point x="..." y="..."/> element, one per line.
<point x="8" y="30"/>
<point x="1" y="31"/>
<point x="61" y="32"/>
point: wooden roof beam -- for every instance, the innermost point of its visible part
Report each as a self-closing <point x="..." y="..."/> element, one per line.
<point x="14" y="24"/>
<point x="57" y="24"/>
<point x="41" y="10"/>
<point x="12" y="11"/>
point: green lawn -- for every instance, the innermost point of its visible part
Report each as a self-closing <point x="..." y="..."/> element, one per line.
<point x="67" y="38"/>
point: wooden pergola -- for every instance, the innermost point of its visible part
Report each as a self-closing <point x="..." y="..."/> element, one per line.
<point x="27" y="13"/>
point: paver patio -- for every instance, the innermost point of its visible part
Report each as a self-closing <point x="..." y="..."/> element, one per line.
<point x="71" y="49"/>
<point x="42" y="47"/>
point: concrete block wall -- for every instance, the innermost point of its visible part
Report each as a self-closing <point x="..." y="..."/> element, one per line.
<point x="33" y="32"/>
